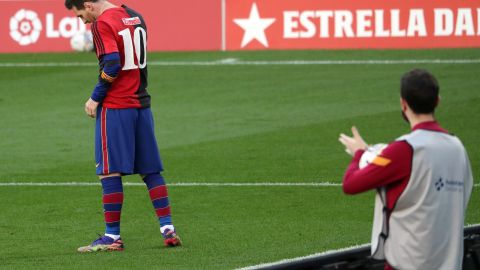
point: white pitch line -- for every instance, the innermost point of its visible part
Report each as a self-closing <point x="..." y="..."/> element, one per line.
<point x="253" y="267"/>
<point x="315" y="62"/>
<point x="194" y="184"/>
<point x="236" y="62"/>
<point x="180" y="184"/>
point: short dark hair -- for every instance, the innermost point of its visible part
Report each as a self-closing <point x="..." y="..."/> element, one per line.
<point x="420" y="89"/>
<point x="77" y="3"/>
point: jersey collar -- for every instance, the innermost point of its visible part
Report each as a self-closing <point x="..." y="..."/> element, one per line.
<point x="429" y="125"/>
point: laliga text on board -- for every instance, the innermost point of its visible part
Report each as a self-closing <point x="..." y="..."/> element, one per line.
<point x="27" y="27"/>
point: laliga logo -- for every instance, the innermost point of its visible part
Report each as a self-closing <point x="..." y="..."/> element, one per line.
<point x="25" y="27"/>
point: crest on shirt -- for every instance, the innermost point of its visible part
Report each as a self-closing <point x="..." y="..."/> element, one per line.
<point x="132" y="21"/>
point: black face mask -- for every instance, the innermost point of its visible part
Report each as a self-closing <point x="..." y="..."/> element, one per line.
<point x="404" y="116"/>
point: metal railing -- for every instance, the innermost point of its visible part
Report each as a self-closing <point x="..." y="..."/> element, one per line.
<point x="359" y="258"/>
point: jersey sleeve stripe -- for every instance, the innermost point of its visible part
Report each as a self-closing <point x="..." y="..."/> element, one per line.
<point x="95" y="38"/>
<point x="98" y="40"/>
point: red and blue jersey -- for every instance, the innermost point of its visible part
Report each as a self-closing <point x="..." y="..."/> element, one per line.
<point x="123" y="32"/>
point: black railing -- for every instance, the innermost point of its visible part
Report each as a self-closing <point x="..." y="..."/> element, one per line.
<point x="359" y="258"/>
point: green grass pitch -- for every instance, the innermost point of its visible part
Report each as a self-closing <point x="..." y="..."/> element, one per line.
<point x="214" y="124"/>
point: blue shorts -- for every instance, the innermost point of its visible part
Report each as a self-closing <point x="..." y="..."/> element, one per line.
<point x="125" y="142"/>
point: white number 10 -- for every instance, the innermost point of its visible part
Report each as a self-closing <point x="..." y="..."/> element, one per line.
<point x="129" y="48"/>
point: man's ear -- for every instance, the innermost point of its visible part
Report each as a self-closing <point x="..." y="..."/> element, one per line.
<point x="403" y="104"/>
<point x="88" y="6"/>
<point x="438" y="101"/>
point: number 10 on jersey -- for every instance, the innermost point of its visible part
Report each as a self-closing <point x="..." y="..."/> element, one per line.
<point x="140" y="48"/>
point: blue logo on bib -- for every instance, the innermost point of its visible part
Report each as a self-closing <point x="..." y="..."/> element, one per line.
<point x="439" y="184"/>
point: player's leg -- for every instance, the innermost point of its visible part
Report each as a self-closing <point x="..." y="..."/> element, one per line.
<point x="149" y="165"/>
<point x="157" y="190"/>
<point x="112" y="199"/>
<point x="114" y="148"/>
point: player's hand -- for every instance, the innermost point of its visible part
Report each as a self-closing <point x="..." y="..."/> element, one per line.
<point x="353" y="144"/>
<point x="91" y="108"/>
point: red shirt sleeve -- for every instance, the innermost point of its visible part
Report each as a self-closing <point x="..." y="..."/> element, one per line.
<point x="393" y="164"/>
<point x="105" y="39"/>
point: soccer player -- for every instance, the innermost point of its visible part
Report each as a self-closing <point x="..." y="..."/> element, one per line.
<point x="423" y="182"/>
<point x="124" y="136"/>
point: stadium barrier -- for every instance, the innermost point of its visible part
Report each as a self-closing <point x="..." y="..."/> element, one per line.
<point x="184" y="25"/>
<point x="359" y="258"/>
<point x="47" y="26"/>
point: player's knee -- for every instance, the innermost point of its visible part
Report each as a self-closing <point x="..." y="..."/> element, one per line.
<point x="147" y="176"/>
<point x="151" y="176"/>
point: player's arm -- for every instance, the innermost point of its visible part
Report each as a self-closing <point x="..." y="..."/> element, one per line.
<point x="108" y="56"/>
<point x="107" y="53"/>
<point x="394" y="164"/>
<point x="111" y="66"/>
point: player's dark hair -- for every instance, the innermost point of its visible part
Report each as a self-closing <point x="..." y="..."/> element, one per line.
<point x="420" y="89"/>
<point x="77" y="3"/>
